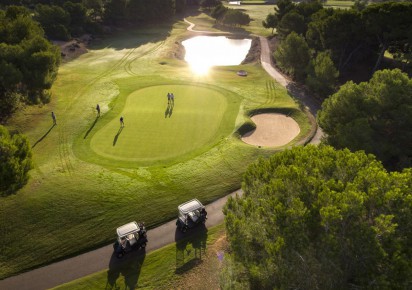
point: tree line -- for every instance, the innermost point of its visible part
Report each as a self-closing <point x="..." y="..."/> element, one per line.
<point x="319" y="44"/>
<point x="333" y="217"/>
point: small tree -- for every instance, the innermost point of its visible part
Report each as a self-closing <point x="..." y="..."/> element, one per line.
<point x="322" y="75"/>
<point x="292" y="21"/>
<point x="270" y="22"/>
<point x="292" y="56"/>
<point x="15" y="161"/>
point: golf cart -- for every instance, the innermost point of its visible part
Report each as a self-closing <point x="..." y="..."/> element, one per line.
<point x="191" y="213"/>
<point x="129" y="237"/>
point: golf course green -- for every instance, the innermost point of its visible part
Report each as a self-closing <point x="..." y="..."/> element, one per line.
<point x="159" y="129"/>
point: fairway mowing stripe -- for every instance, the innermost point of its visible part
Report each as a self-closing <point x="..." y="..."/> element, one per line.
<point x="128" y="68"/>
<point x="99" y="77"/>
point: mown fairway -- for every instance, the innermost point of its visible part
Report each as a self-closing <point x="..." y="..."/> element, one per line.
<point x="83" y="185"/>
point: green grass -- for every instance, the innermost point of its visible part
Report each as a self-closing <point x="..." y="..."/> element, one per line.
<point x="75" y="193"/>
<point x="157" y="270"/>
<point x="338" y="4"/>
<point x="257" y="14"/>
<point x="157" y="132"/>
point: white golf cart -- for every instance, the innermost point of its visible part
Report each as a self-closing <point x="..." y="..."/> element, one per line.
<point x="129" y="237"/>
<point x="191" y="214"/>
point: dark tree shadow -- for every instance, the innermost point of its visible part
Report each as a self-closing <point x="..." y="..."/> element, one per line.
<point x="117" y="136"/>
<point x="301" y="96"/>
<point x="44" y="136"/>
<point x="190" y="247"/>
<point x="129" y="267"/>
<point x="91" y="127"/>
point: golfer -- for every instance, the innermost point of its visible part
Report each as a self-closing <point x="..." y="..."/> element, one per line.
<point x="168" y="98"/>
<point x="121" y="121"/>
<point x="54" y="118"/>
<point x="98" y="110"/>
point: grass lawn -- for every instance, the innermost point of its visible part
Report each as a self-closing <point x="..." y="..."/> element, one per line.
<point x="257" y="14"/>
<point x="157" y="131"/>
<point x="338" y="4"/>
<point x="160" y="269"/>
<point x="83" y="185"/>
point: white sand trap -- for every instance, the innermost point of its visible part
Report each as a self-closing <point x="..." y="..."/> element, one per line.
<point x="272" y="130"/>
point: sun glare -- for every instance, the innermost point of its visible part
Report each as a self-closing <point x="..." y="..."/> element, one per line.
<point x="200" y="67"/>
<point x="203" y="52"/>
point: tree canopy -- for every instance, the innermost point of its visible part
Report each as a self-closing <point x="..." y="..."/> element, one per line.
<point x="29" y="62"/>
<point x="374" y="116"/>
<point x="293" y="55"/>
<point x="355" y="39"/>
<point x="319" y="218"/>
<point x="15" y="161"/>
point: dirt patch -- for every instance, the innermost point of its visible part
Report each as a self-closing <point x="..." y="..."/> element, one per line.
<point x="178" y="51"/>
<point x="206" y="274"/>
<point x="73" y="48"/>
<point x="272" y="130"/>
<point x="254" y="52"/>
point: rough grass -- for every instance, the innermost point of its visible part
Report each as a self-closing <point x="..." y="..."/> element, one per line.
<point x="73" y="195"/>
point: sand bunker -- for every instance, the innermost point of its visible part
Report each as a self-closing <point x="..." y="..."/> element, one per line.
<point x="272" y="130"/>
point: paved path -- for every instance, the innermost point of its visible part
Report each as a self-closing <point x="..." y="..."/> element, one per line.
<point x="73" y="268"/>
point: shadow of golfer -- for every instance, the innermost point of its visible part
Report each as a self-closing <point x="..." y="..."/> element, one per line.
<point x="91" y="127"/>
<point x="42" y="137"/>
<point x="117" y="136"/>
<point x="169" y="110"/>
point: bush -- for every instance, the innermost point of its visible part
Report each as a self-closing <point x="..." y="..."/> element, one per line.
<point x="15" y="161"/>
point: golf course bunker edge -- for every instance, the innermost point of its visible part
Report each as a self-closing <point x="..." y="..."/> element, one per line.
<point x="272" y="130"/>
<point x="159" y="128"/>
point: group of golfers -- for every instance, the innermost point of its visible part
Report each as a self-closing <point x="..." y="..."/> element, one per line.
<point x="170" y="99"/>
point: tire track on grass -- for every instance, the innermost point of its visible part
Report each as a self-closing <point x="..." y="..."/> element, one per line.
<point x="128" y="66"/>
<point x="100" y="76"/>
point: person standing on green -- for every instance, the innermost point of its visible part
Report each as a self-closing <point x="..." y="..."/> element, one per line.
<point x="121" y="121"/>
<point x="54" y="118"/>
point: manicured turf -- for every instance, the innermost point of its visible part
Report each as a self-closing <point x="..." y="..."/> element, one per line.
<point x="156" y="130"/>
<point x="76" y="198"/>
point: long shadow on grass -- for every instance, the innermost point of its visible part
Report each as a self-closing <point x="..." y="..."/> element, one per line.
<point x="91" y="127"/>
<point x="44" y="136"/>
<point x="129" y="267"/>
<point x="190" y="247"/>
<point x="169" y="110"/>
<point x="130" y="38"/>
<point x="117" y="136"/>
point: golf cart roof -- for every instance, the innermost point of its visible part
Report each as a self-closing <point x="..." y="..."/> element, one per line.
<point x="127" y="229"/>
<point x="190" y="206"/>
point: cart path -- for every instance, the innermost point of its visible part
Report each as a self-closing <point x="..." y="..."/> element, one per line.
<point x="97" y="260"/>
<point x="91" y="262"/>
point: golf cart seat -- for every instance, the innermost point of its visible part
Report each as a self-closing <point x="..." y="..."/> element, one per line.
<point x="132" y="239"/>
<point x="193" y="216"/>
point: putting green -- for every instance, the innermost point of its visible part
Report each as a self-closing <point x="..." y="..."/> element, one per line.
<point x="156" y="130"/>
